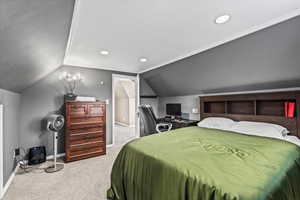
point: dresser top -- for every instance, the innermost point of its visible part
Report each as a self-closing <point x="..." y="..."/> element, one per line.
<point x="85" y="102"/>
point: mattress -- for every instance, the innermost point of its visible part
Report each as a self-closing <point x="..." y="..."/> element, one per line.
<point x="206" y="164"/>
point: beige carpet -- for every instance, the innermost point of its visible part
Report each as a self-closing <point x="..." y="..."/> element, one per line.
<point x="82" y="180"/>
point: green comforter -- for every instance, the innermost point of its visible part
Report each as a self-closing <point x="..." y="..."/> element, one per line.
<point x="206" y="164"/>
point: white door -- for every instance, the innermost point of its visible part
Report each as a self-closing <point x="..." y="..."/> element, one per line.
<point x="1" y="150"/>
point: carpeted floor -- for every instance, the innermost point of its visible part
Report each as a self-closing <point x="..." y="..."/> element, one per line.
<point x="82" y="180"/>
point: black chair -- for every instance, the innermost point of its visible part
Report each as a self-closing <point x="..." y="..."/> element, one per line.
<point x="150" y="122"/>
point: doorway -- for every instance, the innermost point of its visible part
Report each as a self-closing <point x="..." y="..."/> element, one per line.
<point x="125" y="101"/>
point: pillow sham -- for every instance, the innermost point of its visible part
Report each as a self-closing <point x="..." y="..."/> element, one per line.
<point x="217" y="123"/>
<point x="260" y="129"/>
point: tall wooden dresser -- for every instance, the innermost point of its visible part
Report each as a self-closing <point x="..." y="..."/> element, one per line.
<point x="85" y="134"/>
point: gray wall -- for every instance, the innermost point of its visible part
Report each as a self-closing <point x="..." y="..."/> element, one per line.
<point x="187" y="104"/>
<point x="11" y="108"/>
<point x="266" y="59"/>
<point x="33" y="38"/>
<point x="146" y="90"/>
<point x="46" y="96"/>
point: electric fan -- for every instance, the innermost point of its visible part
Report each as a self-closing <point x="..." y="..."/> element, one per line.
<point x="54" y="123"/>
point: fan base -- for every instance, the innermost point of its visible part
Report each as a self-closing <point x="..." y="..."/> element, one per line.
<point x="52" y="168"/>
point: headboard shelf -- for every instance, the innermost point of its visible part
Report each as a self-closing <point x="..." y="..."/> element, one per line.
<point x="241" y="107"/>
<point x="271" y="107"/>
<point x="215" y="107"/>
<point x="261" y="107"/>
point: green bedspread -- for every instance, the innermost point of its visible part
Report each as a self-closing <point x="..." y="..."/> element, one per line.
<point x="205" y="164"/>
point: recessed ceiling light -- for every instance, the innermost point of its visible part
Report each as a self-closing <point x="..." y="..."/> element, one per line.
<point x="143" y="60"/>
<point x="104" y="52"/>
<point x="222" y="19"/>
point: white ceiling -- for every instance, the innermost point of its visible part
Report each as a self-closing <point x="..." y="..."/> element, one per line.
<point x="163" y="31"/>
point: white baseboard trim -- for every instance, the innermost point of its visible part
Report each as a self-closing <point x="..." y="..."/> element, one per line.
<point x="9" y="181"/>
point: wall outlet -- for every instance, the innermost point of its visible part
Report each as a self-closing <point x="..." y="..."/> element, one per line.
<point x="16" y="152"/>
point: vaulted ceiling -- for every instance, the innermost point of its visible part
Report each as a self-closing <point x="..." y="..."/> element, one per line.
<point x="33" y="38"/>
<point x="268" y="59"/>
<point x="162" y="31"/>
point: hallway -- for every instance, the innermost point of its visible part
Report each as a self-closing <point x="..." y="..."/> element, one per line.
<point x="123" y="134"/>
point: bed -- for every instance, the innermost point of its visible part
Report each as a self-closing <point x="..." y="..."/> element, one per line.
<point x="197" y="163"/>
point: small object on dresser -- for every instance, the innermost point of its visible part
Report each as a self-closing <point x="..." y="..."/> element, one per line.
<point x="85" y="99"/>
<point x="37" y="155"/>
<point x="71" y="82"/>
<point x="70" y="97"/>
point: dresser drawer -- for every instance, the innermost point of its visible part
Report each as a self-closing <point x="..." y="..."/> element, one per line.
<point x="75" y="152"/>
<point x="85" y="155"/>
<point x="85" y="135"/>
<point x="85" y="121"/>
<point x="88" y="146"/>
<point x="81" y="139"/>
<point x="77" y="110"/>
<point x="85" y="126"/>
<point x="96" y="109"/>
<point x="81" y="130"/>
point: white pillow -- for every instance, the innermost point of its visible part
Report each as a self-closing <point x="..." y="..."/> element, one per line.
<point x="217" y="123"/>
<point x="260" y="129"/>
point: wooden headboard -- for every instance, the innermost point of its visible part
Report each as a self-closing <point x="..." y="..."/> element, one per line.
<point x="259" y="107"/>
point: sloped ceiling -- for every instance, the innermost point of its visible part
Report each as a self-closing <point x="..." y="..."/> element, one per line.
<point x="163" y="31"/>
<point x="145" y="89"/>
<point x="33" y="38"/>
<point x="34" y="34"/>
<point x="266" y="59"/>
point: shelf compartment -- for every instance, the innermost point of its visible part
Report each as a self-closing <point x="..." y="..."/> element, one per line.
<point x="271" y="107"/>
<point x="241" y="107"/>
<point x="214" y="107"/>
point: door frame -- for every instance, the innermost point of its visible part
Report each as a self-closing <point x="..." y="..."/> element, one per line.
<point x="1" y="149"/>
<point x="136" y="79"/>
